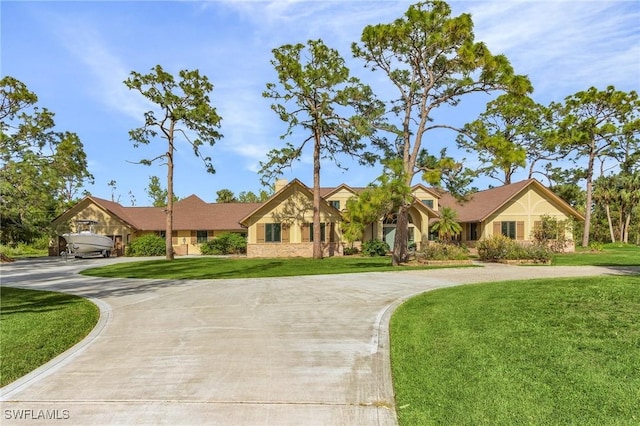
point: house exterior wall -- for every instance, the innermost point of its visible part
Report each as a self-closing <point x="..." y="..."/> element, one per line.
<point x="525" y="211"/>
<point x="292" y="209"/>
<point x="185" y="242"/>
<point x="107" y="225"/>
<point x="341" y="196"/>
<point x="423" y="195"/>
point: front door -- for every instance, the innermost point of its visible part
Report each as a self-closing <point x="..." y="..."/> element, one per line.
<point x="389" y="234"/>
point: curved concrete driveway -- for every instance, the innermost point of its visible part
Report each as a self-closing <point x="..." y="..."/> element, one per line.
<point x="275" y="351"/>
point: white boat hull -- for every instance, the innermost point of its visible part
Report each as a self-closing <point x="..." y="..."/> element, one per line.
<point x="87" y="242"/>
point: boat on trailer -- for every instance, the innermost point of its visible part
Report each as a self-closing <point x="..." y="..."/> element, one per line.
<point x="86" y="242"/>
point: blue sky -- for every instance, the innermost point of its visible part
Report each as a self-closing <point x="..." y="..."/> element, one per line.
<point x="75" y="56"/>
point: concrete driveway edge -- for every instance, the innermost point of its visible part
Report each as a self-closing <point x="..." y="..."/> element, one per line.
<point x="64" y="358"/>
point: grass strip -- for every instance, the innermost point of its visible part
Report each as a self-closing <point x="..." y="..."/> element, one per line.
<point x="36" y="326"/>
<point x="611" y="255"/>
<point x="219" y="268"/>
<point x="562" y="351"/>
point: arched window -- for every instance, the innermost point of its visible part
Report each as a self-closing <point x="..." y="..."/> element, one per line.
<point x="392" y="219"/>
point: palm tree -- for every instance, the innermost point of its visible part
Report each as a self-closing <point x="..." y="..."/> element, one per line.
<point x="447" y="226"/>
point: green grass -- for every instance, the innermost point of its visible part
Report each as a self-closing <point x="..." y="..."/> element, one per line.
<point x="612" y="255"/>
<point x="562" y="351"/>
<point x="36" y="326"/>
<point x="217" y="268"/>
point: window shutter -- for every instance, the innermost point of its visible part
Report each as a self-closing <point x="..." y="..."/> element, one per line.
<point x="306" y="233"/>
<point x="332" y="233"/>
<point x="194" y="236"/>
<point x="519" y="230"/>
<point x="285" y="233"/>
<point x="260" y="233"/>
<point x="209" y="234"/>
<point x="497" y="228"/>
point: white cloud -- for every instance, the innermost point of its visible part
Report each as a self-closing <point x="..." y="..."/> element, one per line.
<point x="107" y="70"/>
<point x="563" y="46"/>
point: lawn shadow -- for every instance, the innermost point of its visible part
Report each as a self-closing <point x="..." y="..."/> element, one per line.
<point x="624" y="270"/>
<point x="44" y="302"/>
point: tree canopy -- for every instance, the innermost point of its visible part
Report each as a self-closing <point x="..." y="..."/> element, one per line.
<point x="41" y="169"/>
<point x="432" y="60"/>
<point x="315" y="93"/>
<point x="183" y="109"/>
<point x="596" y="125"/>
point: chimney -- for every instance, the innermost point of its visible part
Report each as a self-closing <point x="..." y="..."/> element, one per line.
<point x="280" y="183"/>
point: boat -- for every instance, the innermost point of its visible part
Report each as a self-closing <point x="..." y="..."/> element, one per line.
<point x="87" y="242"/>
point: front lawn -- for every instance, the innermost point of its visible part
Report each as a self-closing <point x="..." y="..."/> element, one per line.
<point x="36" y="326"/>
<point x="561" y="351"/>
<point x="611" y="255"/>
<point x="217" y="268"/>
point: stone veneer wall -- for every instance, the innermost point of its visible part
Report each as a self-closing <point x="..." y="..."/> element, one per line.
<point x="291" y="250"/>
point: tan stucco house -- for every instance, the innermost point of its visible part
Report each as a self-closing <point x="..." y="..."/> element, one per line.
<point x="282" y="226"/>
<point x="194" y="221"/>
<point x="513" y="210"/>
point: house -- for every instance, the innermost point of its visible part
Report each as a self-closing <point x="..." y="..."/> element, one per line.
<point x="194" y="221"/>
<point x="282" y="226"/>
<point x="513" y="210"/>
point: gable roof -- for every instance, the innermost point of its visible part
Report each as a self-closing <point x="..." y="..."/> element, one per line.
<point x="431" y="191"/>
<point x="482" y="204"/>
<point x="190" y="213"/>
<point x="328" y="192"/>
<point x="267" y="205"/>
<point x="110" y="207"/>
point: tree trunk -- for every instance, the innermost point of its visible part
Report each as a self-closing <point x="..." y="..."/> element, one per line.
<point x="317" y="243"/>
<point x="400" y="252"/>
<point x="169" y="211"/>
<point x="613" y="235"/>
<point x="587" y="212"/>
<point x="625" y="234"/>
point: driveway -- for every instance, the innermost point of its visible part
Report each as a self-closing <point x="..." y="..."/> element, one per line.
<point x="307" y="350"/>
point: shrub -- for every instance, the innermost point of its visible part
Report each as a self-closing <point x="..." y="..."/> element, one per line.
<point x="349" y="251"/>
<point x="147" y="245"/>
<point x="552" y="233"/>
<point x="493" y="248"/>
<point x="596" y="246"/>
<point x="442" y="251"/>
<point x="374" y="248"/>
<point x="227" y="243"/>
<point x="499" y="247"/>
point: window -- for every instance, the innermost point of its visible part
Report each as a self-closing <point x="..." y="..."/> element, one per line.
<point x="428" y="203"/>
<point x="509" y="229"/>
<point x="161" y="234"/>
<point x="322" y="232"/>
<point x="273" y="232"/>
<point x="335" y="204"/>
<point x="201" y="237"/>
<point x="473" y="232"/>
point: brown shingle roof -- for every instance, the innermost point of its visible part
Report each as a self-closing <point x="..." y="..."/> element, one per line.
<point x="327" y="191"/>
<point x="190" y="213"/>
<point x="480" y="205"/>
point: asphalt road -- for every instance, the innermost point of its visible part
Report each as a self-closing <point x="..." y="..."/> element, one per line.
<point x="309" y="350"/>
